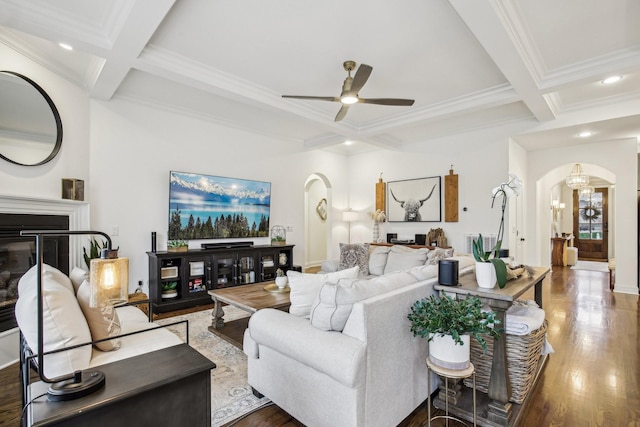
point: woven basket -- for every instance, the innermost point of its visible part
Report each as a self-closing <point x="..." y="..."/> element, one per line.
<point x="523" y="354"/>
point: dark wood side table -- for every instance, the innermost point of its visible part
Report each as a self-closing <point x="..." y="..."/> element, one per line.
<point x="495" y="409"/>
<point x="559" y="251"/>
<point x="168" y="387"/>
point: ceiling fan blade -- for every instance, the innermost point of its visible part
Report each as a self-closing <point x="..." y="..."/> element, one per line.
<point x="314" y="98"/>
<point x="341" y="113"/>
<point x="387" y="101"/>
<point x="361" y="77"/>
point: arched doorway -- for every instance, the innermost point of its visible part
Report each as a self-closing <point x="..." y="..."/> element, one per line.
<point x="317" y="219"/>
<point x="551" y="188"/>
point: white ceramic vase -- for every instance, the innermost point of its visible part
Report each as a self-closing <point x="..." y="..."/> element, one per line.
<point x="486" y="275"/>
<point x="444" y="352"/>
<point x="281" y="281"/>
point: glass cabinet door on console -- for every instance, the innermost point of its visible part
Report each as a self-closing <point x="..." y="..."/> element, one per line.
<point x="268" y="265"/>
<point x="198" y="275"/>
<point x="224" y="272"/>
<point x="246" y="269"/>
<point x="170" y="286"/>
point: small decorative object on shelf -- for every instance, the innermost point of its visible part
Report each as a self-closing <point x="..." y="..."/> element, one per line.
<point x="278" y="235"/>
<point x="169" y="290"/>
<point x="177" y="246"/>
<point x="281" y="279"/>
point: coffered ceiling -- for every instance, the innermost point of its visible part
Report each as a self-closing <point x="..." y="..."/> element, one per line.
<point x="532" y="67"/>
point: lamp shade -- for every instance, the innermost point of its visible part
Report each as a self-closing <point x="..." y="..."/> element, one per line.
<point x="109" y="280"/>
<point x="349" y="216"/>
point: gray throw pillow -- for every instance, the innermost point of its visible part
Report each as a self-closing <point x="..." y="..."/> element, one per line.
<point x="355" y="255"/>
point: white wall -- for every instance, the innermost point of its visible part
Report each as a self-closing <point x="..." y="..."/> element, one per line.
<point x="618" y="166"/>
<point x="45" y="181"/>
<point x="317" y="228"/>
<point x="134" y="147"/>
<point x="480" y="167"/>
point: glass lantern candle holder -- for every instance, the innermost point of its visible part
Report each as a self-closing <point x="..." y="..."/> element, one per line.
<point x="278" y="235"/>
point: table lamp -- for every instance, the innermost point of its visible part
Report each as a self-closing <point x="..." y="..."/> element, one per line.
<point x="109" y="285"/>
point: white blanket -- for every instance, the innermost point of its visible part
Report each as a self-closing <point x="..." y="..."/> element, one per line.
<point x="523" y="317"/>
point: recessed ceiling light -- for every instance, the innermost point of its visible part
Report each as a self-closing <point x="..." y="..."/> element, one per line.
<point x="65" y="46"/>
<point x="347" y="142"/>
<point x="585" y="134"/>
<point x="611" y="79"/>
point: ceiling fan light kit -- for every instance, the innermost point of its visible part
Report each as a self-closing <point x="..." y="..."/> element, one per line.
<point x="350" y="89"/>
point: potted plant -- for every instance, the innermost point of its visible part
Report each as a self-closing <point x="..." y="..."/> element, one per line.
<point x="281" y="279"/>
<point x="489" y="267"/>
<point x="169" y="289"/>
<point x="95" y="248"/>
<point x="448" y="324"/>
<point x="177" y="246"/>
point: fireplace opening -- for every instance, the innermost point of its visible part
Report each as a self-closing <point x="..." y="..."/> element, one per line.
<point x="18" y="254"/>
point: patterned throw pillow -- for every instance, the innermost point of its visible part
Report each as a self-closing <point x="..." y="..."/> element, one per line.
<point x="437" y="254"/>
<point x="352" y="255"/>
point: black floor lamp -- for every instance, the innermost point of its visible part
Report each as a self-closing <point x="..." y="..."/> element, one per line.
<point x="108" y="284"/>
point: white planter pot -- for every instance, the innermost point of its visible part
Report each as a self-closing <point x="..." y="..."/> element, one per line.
<point x="281" y="282"/>
<point x="444" y="352"/>
<point x="486" y="275"/>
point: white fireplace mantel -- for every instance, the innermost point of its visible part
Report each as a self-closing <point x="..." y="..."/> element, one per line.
<point x="78" y="213"/>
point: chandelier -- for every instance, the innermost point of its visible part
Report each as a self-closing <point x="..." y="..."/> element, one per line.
<point x="576" y="178"/>
<point x="586" y="191"/>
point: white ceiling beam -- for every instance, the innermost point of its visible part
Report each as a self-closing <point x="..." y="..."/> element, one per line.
<point x="140" y="25"/>
<point x="504" y="39"/>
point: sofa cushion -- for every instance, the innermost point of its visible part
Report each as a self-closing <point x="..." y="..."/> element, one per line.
<point x="402" y="258"/>
<point x="378" y="259"/>
<point x="437" y="254"/>
<point x="305" y="288"/>
<point x="356" y="254"/>
<point x="335" y="300"/>
<point x="63" y="322"/>
<point x="77" y="276"/>
<point x="103" y="321"/>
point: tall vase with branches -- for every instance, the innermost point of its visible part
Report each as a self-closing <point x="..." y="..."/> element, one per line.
<point x="378" y="216"/>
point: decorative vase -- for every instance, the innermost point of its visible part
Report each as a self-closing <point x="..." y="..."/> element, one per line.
<point x="376" y="232"/>
<point x="281" y="282"/>
<point x="486" y="275"/>
<point x="444" y="352"/>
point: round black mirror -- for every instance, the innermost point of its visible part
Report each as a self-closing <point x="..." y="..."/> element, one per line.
<point x="30" y="125"/>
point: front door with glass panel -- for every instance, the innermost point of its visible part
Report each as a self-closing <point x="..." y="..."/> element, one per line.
<point x="590" y="224"/>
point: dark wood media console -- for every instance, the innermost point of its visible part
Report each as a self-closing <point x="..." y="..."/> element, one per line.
<point x="195" y="272"/>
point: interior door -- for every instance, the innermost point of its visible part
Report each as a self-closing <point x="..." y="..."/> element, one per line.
<point x="591" y="224"/>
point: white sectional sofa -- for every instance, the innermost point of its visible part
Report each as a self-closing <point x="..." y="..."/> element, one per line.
<point x="352" y="361"/>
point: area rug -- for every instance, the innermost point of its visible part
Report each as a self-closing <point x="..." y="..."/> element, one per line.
<point x="591" y="266"/>
<point x="231" y="396"/>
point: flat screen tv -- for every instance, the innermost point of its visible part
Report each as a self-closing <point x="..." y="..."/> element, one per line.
<point x="216" y="207"/>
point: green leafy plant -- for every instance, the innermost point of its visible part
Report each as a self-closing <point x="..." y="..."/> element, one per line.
<point x="176" y="243"/>
<point x="491" y="256"/>
<point x="169" y="286"/>
<point x="455" y="317"/>
<point x="95" y="248"/>
<point x="279" y="273"/>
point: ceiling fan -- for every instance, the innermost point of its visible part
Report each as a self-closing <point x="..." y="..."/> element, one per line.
<point x="350" y="89"/>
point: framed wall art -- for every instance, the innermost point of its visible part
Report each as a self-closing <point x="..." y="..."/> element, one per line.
<point x="414" y="200"/>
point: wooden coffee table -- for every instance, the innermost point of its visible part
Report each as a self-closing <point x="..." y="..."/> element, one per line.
<point x="250" y="298"/>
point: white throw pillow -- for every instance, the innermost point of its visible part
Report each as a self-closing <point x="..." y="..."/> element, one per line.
<point x="77" y="276"/>
<point x="335" y="300"/>
<point x="402" y="259"/>
<point x="63" y="322"/>
<point x="378" y="259"/>
<point x="305" y="288"/>
<point x="103" y="321"/>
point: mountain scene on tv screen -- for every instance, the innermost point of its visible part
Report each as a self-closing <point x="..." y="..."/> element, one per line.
<point x="212" y="207"/>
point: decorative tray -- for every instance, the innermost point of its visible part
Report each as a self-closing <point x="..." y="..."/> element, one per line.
<point x="272" y="287"/>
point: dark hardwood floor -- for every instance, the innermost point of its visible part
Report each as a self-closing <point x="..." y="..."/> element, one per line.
<point x="592" y="379"/>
